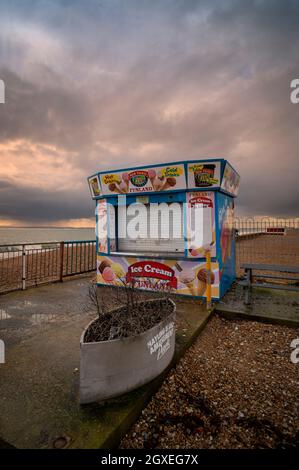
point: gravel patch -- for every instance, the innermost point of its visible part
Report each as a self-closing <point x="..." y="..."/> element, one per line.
<point x="236" y="387"/>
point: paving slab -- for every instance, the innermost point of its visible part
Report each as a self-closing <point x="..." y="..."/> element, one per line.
<point x="39" y="405"/>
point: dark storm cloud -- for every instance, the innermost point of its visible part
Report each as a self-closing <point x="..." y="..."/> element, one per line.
<point x="40" y="206"/>
<point x="51" y="115"/>
<point x="135" y="82"/>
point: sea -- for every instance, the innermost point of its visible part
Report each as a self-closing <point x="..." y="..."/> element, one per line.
<point x="39" y="235"/>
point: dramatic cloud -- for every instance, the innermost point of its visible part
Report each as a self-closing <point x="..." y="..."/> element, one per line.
<point x="99" y="84"/>
<point x="43" y="206"/>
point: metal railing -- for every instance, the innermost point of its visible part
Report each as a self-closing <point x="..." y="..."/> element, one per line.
<point x="251" y="226"/>
<point x="28" y="265"/>
<point x="266" y="241"/>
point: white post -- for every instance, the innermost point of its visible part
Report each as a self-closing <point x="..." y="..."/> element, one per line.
<point x="2" y="352"/>
<point x="23" y="267"/>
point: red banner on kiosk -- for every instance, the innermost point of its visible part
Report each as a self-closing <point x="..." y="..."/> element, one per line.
<point x="152" y="269"/>
<point x="203" y="200"/>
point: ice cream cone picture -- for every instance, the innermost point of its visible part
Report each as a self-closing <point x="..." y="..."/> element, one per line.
<point x="152" y="176"/>
<point x="108" y="275"/>
<point x="119" y="273"/>
<point x="106" y="271"/>
<point x="159" y="181"/>
<point x="118" y="186"/>
<point x="187" y="277"/>
<point x="196" y="252"/>
<point x="191" y="287"/>
<point x="113" y="187"/>
<point x="202" y="279"/>
<point x="124" y="185"/>
<point x="170" y="182"/>
<point x="103" y="264"/>
<point x="201" y="288"/>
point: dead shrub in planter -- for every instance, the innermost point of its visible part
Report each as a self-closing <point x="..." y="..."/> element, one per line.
<point x="133" y="317"/>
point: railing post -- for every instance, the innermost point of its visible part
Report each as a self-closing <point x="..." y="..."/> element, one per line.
<point x="23" y="267"/>
<point x="61" y="261"/>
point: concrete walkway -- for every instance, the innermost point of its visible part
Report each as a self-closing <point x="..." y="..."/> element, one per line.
<point x="39" y="406"/>
<point x="267" y="305"/>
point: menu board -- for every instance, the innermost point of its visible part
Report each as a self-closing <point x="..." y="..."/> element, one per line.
<point x="204" y="174"/>
<point x="230" y="180"/>
<point x="160" y="178"/>
<point x="201" y="232"/>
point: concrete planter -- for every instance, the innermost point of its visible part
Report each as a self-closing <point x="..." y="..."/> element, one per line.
<point x="111" y="368"/>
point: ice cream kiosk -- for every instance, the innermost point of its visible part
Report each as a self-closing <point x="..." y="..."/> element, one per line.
<point x="156" y="224"/>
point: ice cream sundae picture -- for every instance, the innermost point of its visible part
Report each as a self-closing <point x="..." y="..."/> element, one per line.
<point x="104" y="268"/>
<point x="196" y="251"/>
<point x="204" y="175"/>
<point x="170" y="182"/>
<point x="186" y="277"/>
<point x="200" y="251"/>
<point x="117" y="186"/>
<point x="114" y="183"/>
<point x="202" y="280"/>
<point x="195" y="282"/>
<point x="118" y="271"/>
<point x="112" y="273"/>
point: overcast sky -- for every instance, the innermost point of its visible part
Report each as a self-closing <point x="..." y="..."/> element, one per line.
<point x="103" y="84"/>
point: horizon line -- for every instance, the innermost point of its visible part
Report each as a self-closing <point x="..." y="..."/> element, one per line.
<point x="39" y="226"/>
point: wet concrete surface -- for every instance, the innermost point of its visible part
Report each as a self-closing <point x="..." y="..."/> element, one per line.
<point x="268" y="305"/>
<point x="25" y="313"/>
<point x="39" y="406"/>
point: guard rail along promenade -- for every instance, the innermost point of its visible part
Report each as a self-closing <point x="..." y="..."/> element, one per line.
<point x="267" y="241"/>
<point x="29" y="265"/>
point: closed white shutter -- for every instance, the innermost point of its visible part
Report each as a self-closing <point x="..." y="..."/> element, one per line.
<point x="161" y="231"/>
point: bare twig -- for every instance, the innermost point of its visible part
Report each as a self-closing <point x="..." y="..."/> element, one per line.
<point x="133" y="316"/>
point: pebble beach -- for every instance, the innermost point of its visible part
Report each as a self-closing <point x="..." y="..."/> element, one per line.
<point x="236" y="387"/>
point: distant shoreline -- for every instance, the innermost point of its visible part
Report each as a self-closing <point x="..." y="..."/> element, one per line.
<point x="37" y="235"/>
<point x="45" y="227"/>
